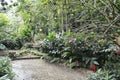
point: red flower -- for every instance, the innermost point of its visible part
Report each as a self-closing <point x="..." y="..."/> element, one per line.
<point x="118" y="52"/>
<point x="93" y="68"/>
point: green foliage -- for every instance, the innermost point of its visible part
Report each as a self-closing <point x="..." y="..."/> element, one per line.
<point x="5" y="69"/>
<point x="11" y="44"/>
<point x="113" y="64"/>
<point x="3" y="22"/>
<point x="21" y="41"/>
<point x="51" y="36"/>
<point x="25" y="32"/>
<point x="102" y="75"/>
<point x="95" y="21"/>
<point x="3" y="19"/>
<point x="87" y="49"/>
<point x="92" y="15"/>
<point x="110" y="69"/>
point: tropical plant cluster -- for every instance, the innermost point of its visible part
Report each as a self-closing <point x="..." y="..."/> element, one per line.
<point x="66" y="46"/>
<point x="110" y="71"/>
<point x="84" y="51"/>
<point x="83" y="33"/>
<point x="5" y="69"/>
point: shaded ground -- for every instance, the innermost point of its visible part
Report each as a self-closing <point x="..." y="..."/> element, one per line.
<point x="37" y="69"/>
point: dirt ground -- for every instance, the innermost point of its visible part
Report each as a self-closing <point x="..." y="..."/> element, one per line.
<point x="37" y="69"/>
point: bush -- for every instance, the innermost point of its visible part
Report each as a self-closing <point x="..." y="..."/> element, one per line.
<point x="110" y="70"/>
<point x="5" y="68"/>
<point x="11" y="44"/>
<point x="3" y="19"/>
<point x="102" y="75"/>
<point x="83" y="49"/>
<point x="113" y="64"/>
<point x="21" y="41"/>
<point x="71" y="48"/>
<point x="53" y="48"/>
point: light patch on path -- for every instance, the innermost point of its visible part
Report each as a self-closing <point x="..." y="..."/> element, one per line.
<point x="40" y="70"/>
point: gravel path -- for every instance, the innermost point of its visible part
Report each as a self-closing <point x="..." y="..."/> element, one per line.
<point x="37" y="69"/>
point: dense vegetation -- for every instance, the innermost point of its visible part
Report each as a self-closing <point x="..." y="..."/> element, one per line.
<point x="79" y="33"/>
<point x="5" y="69"/>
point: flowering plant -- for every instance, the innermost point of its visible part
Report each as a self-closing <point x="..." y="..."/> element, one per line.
<point x="93" y="68"/>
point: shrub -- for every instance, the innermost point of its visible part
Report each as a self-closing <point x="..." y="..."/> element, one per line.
<point x="87" y="49"/>
<point x="25" y="32"/>
<point x="10" y="44"/>
<point x="110" y="69"/>
<point x="13" y="44"/>
<point x="5" y="68"/>
<point x="3" y="19"/>
<point x="21" y="41"/>
<point x="113" y="64"/>
<point x="53" y="48"/>
<point x="102" y="75"/>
